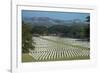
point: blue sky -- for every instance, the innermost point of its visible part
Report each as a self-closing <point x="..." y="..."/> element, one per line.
<point x="55" y="15"/>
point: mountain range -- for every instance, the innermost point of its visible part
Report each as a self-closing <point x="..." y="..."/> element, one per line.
<point x="47" y="21"/>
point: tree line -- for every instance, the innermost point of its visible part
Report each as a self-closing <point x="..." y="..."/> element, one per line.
<point x="77" y="30"/>
<point x="74" y="31"/>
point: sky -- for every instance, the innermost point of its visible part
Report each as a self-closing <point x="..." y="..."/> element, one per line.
<point x="55" y="15"/>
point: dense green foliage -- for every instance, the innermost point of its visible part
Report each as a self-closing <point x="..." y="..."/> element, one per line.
<point x="76" y="30"/>
<point x="39" y="30"/>
<point x="27" y="42"/>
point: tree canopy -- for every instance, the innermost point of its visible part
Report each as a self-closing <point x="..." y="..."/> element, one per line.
<point x="27" y="42"/>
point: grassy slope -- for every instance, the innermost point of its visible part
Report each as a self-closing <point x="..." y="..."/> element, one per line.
<point x="27" y="58"/>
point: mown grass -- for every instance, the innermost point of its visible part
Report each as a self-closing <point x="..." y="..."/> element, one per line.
<point x="76" y="46"/>
<point x="27" y="58"/>
<point x="66" y="59"/>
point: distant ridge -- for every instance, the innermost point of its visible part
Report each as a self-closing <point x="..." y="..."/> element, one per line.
<point x="46" y="21"/>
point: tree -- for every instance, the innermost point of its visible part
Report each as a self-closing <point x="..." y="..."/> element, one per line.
<point x="88" y="19"/>
<point x="41" y="30"/>
<point x="87" y="30"/>
<point x="27" y="42"/>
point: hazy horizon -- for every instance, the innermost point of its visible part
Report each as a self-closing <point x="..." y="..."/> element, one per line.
<point x="55" y="15"/>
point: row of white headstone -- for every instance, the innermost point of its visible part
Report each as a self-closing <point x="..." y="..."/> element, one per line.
<point x="43" y="51"/>
<point x="64" y="54"/>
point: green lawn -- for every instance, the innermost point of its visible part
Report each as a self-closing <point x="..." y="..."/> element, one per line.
<point x="68" y="52"/>
<point x="27" y="58"/>
<point x="62" y="43"/>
